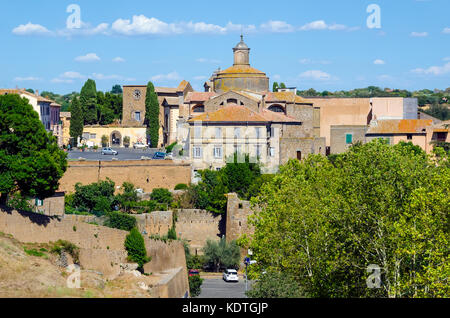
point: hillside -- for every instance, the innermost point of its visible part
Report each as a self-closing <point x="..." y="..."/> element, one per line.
<point x="24" y="275"/>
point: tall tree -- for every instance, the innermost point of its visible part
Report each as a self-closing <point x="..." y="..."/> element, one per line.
<point x="275" y="87"/>
<point x="152" y="115"/>
<point x="76" y="120"/>
<point x="30" y="159"/>
<point x="116" y="89"/>
<point x="88" y="100"/>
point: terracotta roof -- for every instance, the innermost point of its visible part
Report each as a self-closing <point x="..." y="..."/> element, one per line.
<point x="235" y="113"/>
<point x="277" y="117"/>
<point x="231" y="113"/>
<point x="398" y="126"/>
<point x="199" y="96"/>
<point x="24" y="92"/>
<point x="241" y="69"/>
<point x="172" y="100"/>
<point x="289" y="97"/>
<point x="182" y="86"/>
<point x="166" y="90"/>
<point x="54" y="104"/>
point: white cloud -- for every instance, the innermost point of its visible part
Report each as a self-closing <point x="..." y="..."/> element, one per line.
<point x="446" y="31"/>
<point x="173" y="76"/>
<point x="61" y="80"/>
<point x="316" y="75"/>
<point x="27" y="79"/>
<point x="419" y="34"/>
<point x="101" y="77"/>
<point x="205" y="60"/>
<point x="72" y="75"/>
<point x="434" y="70"/>
<point x="90" y="57"/>
<point x="118" y="60"/>
<point x="200" y="78"/>
<point x="322" y="25"/>
<point x="379" y="62"/>
<point x="310" y="61"/>
<point x="277" y="27"/>
<point x="31" y="29"/>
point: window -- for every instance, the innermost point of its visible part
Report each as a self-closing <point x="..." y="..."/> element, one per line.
<point x="237" y="132"/>
<point x="198" y="109"/>
<point x="348" y="139"/>
<point x="258" y="132"/>
<point x="39" y="202"/>
<point x="137" y="116"/>
<point x="197" y="152"/>
<point x="276" y="109"/>
<point x="218" y="133"/>
<point x="218" y="152"/>
<point x="258" y="151"/>
<point x="237" y="149"/>
<point x="272" y="151"/>
<point x="198" y="132"/>
<point x="93" y="136"/>
<point x="409" y="136"/>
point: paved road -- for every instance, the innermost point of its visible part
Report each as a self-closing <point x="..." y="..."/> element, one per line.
<point x="217" y="288"/>
<point x="124" y="154"/>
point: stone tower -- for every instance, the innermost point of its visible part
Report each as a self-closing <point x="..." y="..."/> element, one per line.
<point x="241" y="53"/>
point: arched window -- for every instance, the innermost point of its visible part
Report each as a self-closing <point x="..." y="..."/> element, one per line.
<point x="232" y="101"/>
<point x="198" y="109"/>
<point x="276" y="109"/>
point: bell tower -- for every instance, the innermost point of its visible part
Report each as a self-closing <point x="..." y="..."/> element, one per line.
<point x="241" y="53"/>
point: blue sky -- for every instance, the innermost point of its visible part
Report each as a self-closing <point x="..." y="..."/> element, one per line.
<point x="323" y="44"/>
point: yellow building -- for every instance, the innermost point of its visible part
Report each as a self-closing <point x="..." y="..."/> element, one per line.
<point x="115" y="135"/>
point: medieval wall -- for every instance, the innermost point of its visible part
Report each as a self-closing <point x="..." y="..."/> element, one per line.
<point x="238" y="212"/>
<point x="101" y="248"/>
<point x="145" y="174"/>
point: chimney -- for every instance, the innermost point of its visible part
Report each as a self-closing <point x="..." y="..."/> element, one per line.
<point x="37" y="92"/>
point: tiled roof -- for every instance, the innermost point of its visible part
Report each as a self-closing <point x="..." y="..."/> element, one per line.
<point x="24" y="92"/>
<point x="199" y="96"/>
<point x="172" y="100"/>
<point x="182" y="86"/>
<point x="241" y="69"/>
<point x="289" y="97"/>
<point x="166" y="90"/>
<point x="399" y="126"/>
<point x="235" y="113"/>
<point x="231" y="113"/>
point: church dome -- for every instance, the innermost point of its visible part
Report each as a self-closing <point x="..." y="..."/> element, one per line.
<point x="241" y="45"/>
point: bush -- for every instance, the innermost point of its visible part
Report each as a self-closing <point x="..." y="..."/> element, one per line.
<point x="126" y="141"/>
<point x="169" y="149"/>
<point x="162" y="196"/>
<point x="135" y="246"/>
<point x="195" y="285"/>
<point x="33" y="252"/>
<point x="275" y="285"/>
<point x="105" y="141"/>
<point x="181" y="186"/>
<point x="97" y="197"/>
<point x="222" y="254"/>
<point x="67" y="247"/>
<point x="121" y="221"/>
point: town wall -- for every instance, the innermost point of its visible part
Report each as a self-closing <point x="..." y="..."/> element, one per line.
<point x="144" y="174"/>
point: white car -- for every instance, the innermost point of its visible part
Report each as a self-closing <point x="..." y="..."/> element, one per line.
<point x="109" y="151"/>
<point x="139" y="145"/>
<point x="230" y="275"/>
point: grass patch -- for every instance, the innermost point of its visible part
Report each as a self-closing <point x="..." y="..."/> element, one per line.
<point x="34" y="252"/>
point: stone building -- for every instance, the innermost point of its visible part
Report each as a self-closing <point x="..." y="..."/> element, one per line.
<point x="239" y="114"/>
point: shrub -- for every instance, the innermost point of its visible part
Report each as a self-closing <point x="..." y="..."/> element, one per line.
<point x="97" y="197"/>
<point x="33" y="252"/>
<point x="121" y="221"/>
<point x="135" y="246"/>
<point x="275" y="285"/>
<point x="105" y="141"/>
<point x="169" y="149"/>
<point x="67" y="247"/>
<point x="162" y="196"/>
<point x="126" y="141"/>
<point x="181" y="186"/>
<point x="195" y="285"/>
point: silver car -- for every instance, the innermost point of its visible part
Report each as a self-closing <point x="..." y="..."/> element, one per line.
<point x="230" y="275"/>
<point x="109" y="151"/>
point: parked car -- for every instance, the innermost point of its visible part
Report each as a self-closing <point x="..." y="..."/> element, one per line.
<point x="159" y="156"/>
<point x="194" y="272"/>
<point x="109" y="151"/>
<point x="230" y="275"/>
<point x="139" y="145"/>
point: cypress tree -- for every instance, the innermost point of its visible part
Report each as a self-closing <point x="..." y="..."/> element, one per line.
<point x="88" y="100"/>
<point x="275" y="87"/>
<point x="152" y="115"/>
<point x="76" y="120"/>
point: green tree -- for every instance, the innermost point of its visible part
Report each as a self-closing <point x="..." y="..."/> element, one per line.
<point x="88" y="100"/>
<point x="275" y="87"/>
<point x="282" y="85"/>
<point x="121" y="221"/>
<point x="135" y="246"/>
<point x="324" y="223"/>
<point x="275" y="285"/>
<point x="30" y="159"/>
<point x="76" y="121"/>
<point x="220" y="254"/>
<point x="116" y="89"/>
<point x="239" y="174"/>
<point x="152" y="115"/>
<point x="195" y="285"/>
<point x="161" y="196"/>
<point x="96" y="197"/>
